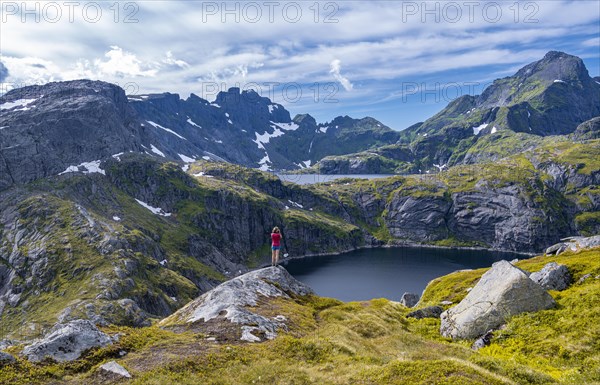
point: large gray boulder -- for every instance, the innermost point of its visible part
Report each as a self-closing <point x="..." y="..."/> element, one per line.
<point x="66" y="342"/>
<point x="234" y="300"/>
<point x="502" y="292"/>
<point x="552" y="277"/>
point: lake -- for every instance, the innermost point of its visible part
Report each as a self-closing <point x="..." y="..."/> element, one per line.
<point x="386" y="272"/>
<point x="320" y="178"/>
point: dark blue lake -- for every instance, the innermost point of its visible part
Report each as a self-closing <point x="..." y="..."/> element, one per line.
<point x="386" y="272"/>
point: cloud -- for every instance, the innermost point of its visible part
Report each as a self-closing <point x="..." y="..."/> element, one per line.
<point x="335" y="67"/>
<point x="121" y="64"/>
<point x="393" y="49"/>
<point x="593" y="42"/>
<point x="170" y="60"/>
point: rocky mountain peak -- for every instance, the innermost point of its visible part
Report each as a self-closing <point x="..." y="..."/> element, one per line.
<point x="305" y="119"/>
<point x="555" y="66"/>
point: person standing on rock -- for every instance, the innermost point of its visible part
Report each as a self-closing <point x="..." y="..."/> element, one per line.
<point x="275" y="245"/>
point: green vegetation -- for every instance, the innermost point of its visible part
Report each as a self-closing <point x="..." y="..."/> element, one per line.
<point x="330" y="342"/>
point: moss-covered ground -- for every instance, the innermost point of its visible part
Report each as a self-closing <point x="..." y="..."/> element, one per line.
<point x="372" y="342"/>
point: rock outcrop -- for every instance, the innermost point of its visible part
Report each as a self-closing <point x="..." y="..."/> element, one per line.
<point x="409" y="299"/>
<point x="67" y="342"/>
<point x="112" y="370"/>
<point x="6" y="359"/>
<point x="552" y="277"/>
<point x="502" y="292"/>
<point x="234" y="301"/>
<point x="574" y="244"/>
<point x="426" y="312"/>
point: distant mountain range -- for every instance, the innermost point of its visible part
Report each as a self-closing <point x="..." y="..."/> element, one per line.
<point x="48" y="129"/>
<point x="552" y="96"/>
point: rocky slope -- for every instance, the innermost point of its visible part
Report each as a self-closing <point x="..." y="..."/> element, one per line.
<point x="140" y="237"/>
<point x="553" y="96"/>
<point x="215" y="338"/>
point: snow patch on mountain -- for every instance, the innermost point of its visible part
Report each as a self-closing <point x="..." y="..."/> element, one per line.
<point x="18" y="103"/>
<point x="186" y="158"/>
<point x="477" y="130"/>
<point x="263" y="163"/>
<point x="262" y="139"/>
<point x="191" y="122"/>
<point x="154" y="210"/>
<point x="156" y="125"/>
<point x="157" y="151"/>
<point x="88" y="168"/>
<point x="285" y="126"/>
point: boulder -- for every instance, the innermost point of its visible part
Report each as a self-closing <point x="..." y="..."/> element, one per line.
<point x="236" y="300"/>
<point x="426" y="312"/>
<point x="556" y="249"/>
<point x="502" y="292"/>
<point x="66" y="342"/>
<point x="409" y="299"/>
<point x="6" y="359"/>
<point x="113" y="370"/>
<point x="552" y="277"/>
<point x="483" y="341"/>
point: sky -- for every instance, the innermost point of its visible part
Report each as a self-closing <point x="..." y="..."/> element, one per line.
<point x="397" y="61"/>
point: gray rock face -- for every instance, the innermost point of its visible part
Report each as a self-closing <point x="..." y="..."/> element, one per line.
<point x="232" y="301"/>
<point x="67" y="342"/>
<point x="58" y="125"/>
<point x="552" y="277"/>
<point x="112" y="369"/>
<point x="409" y="299"/>
<point x="6" y="359"/>
<point x="426" y="312"/>
<point x="502" y="292"/>
<point x="422" y="219"/>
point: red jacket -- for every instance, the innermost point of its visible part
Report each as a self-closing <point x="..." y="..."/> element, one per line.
<point x="276" y="238"/>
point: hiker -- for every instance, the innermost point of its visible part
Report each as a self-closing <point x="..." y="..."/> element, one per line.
<point x="275" y="245"/>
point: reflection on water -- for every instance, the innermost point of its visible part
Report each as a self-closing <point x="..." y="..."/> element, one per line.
<point x="322" y="178"/>
<point x="386" y="272"/>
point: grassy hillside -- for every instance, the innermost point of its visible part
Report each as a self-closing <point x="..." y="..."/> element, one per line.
<point x="372" y="342"/>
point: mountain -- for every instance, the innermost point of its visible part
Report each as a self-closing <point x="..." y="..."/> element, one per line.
<point x="247" y="129"/>
<point x="63" y="126"/>
<point x="552" y="96"/>
<point x="122" y="209"/>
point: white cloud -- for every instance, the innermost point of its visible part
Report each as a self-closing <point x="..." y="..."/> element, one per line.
<point x="170" y="60"/>
<point x="593" y="42"/>
<point x="377" y="58"/>
<point x="335" y="68"/>
<point x="121" y="63"/>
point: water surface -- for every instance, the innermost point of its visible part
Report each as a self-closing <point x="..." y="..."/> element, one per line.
<point x="385" y="272"/>
<point x="321" y="178"/>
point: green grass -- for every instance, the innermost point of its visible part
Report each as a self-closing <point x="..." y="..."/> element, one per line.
<point x="371" y="342"/>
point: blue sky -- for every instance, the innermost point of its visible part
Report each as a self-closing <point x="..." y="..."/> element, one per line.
<point x="399" y="62"/>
